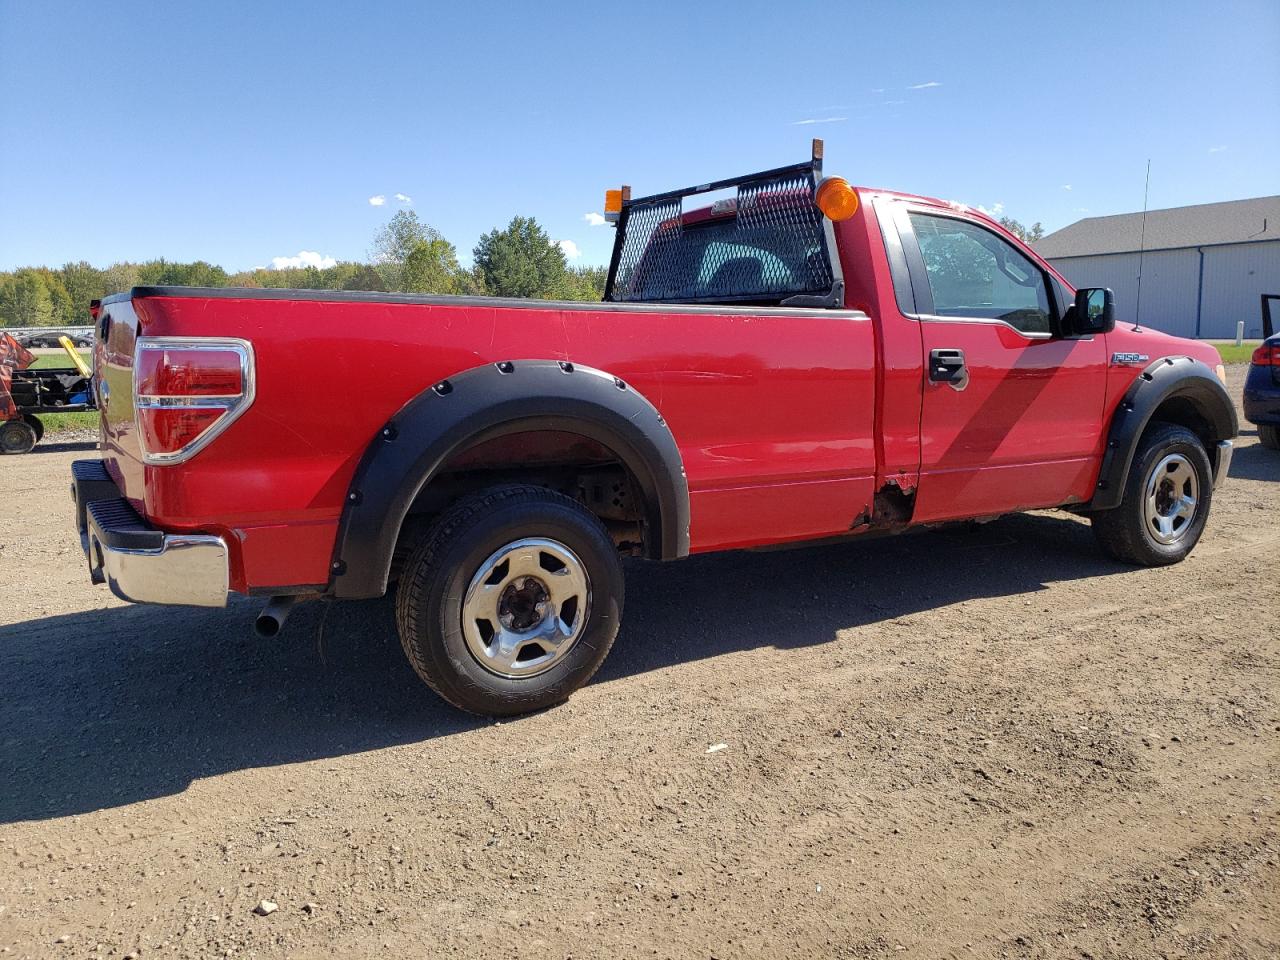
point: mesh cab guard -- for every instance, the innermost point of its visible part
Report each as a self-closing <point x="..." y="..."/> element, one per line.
<point x="768" y="244"/>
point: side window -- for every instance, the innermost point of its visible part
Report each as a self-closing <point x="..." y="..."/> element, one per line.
<point x="974" y="274"/>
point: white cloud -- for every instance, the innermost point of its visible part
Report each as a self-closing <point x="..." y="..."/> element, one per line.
<point x="924" y="86"/>
<point x="1066" y="186"/>
<point x="405" y="199"/>
<point x="802" y="123"/>
<point x="877" y="89"/>
<point x="595" y="219"/>
<point x="570" y="249"/>
<point x="377" y="201"/>
<point x="305" y="258"/>
<point x="1217" y="149"/>
<point x="894" y="103"/>
<point x="994" y="210"/>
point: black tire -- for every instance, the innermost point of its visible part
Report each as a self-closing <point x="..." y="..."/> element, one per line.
<point x="1125" y="532"/>
<point x="17" y="436"/>
<point x="1270" y="436"/>
<point x="36" y="424"/>
<point x="435" y="582"/>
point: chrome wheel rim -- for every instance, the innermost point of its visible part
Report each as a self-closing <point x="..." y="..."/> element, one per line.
<point x="1172" y="494"/>
<point x="525" y="607"/>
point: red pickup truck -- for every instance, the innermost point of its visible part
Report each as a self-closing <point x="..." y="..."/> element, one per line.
<point x="798" y="360"/>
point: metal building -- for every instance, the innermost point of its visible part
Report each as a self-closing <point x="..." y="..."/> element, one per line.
<point x="1205" y="267"/>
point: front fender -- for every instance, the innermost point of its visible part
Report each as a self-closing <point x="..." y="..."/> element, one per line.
<point x="487" y="402"/>
<point x="1166" y="379"/>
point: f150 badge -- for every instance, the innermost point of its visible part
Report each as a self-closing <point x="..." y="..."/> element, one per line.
<point x="1128" y="358"/>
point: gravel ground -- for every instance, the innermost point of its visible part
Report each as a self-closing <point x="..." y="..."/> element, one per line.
<point x="971" y="743"/>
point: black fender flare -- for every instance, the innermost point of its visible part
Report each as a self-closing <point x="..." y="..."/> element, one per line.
<point x="1162" y="380"/>
<point x="490" y="401"/>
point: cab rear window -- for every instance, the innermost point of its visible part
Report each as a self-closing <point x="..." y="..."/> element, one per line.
<point x="767" y="244"/>
<point x="717" y="259"/>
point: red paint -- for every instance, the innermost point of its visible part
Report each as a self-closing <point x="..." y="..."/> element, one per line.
<point x="788" y="425"/>
<point x="1030" y="403"/>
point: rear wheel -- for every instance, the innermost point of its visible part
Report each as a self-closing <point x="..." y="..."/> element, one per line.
<point x="17" y="436"/>
<point x="511" y="601"/>
<point x="36" y="424"/>
<point x="1270" y="437"/>
<point x="1166" y="500"/>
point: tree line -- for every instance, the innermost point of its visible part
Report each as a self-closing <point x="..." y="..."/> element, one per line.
<point x="408" y="256"/>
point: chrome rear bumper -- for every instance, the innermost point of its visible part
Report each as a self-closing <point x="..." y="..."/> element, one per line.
<point x="138" y="562"/>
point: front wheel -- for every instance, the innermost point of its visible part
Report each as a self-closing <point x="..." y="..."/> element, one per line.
<point x="511" y="601"/>
<point x="1166" y="500"/>
<point x="1270" y="436"/>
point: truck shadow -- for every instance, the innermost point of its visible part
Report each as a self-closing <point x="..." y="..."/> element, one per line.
<point x="114" y="706"/>
<point x="62" y="446"/>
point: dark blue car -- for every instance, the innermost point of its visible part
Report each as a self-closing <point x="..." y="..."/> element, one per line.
<point x="1262" y="392"/>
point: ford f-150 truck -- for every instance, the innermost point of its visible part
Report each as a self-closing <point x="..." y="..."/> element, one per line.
<point x="797" y="360"/>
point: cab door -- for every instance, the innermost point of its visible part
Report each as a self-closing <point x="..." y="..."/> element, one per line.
<point x="1011" y="416"/>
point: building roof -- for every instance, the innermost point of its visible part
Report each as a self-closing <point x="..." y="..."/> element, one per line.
<point x="1236" y="221"/>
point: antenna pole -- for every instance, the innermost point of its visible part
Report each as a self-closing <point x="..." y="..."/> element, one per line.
<point x="1142" y="247"/>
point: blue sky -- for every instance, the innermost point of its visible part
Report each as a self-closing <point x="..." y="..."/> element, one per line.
<point x="240" y="132"/>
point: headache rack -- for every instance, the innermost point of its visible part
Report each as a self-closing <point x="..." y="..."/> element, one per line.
<point x="767" y="244"/>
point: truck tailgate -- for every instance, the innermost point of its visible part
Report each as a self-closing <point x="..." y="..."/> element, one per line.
<point x="118" y="329"/>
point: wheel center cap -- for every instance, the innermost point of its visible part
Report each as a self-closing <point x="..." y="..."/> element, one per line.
<point x="523" y="604"/>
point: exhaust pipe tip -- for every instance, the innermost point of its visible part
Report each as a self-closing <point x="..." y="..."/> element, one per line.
<point x="273" y="616"/>
<point x="267" y="626"/>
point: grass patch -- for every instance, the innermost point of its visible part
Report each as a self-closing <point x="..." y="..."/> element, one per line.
<point x="59" y="359"/>
<point x="1233" y="354"/>
<point x="81" y="420"/>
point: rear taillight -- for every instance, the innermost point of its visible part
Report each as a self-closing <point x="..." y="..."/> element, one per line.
<point x="1267" y="355"/>
<point x="187" y="391"/>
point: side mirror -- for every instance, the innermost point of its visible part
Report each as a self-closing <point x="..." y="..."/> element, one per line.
<point x="1094" y="311"/>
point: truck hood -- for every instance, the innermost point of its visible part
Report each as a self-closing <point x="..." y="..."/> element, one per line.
<point x="1154" y="344"/>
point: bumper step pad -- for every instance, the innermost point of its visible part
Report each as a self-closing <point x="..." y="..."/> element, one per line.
<point x="121" y="527"/>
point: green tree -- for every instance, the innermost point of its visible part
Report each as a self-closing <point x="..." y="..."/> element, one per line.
<point x="64" y="312"/>
<point x="584" y="283"/>
<point x="431" y="267"/>
<point x="83" y="283"/>
<point x="521" y="261"/>
<point x="170" y="273"/>
<point x="364" y="277"/>
<point x="120" y="277"/>
<point x="25" y="300"/>
<point x="1026" y="234"/>
<point x="393" y="244"/>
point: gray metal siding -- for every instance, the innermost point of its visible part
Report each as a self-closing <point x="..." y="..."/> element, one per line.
<point x="1235" y="277"/>
<point x="1170" y="281"/>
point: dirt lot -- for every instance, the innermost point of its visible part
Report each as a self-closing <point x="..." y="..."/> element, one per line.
<point x="960" y="743"/>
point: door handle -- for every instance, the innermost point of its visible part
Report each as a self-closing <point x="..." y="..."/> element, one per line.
<point x="947" y="366"/>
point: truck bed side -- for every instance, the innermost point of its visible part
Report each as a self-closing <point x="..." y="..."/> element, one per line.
<point x="772" y="409"/>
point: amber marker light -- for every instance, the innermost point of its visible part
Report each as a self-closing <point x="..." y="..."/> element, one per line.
<point x="613" y="200"/>
<point x="836" y="198"/>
